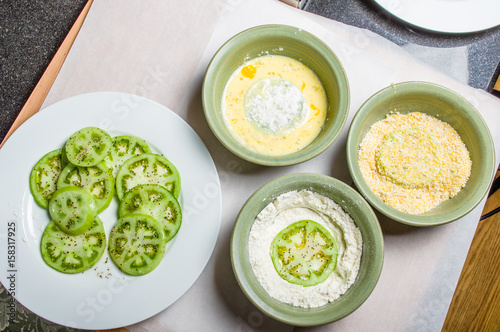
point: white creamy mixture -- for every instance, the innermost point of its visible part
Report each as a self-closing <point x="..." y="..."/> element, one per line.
<point x="287" y="209"/>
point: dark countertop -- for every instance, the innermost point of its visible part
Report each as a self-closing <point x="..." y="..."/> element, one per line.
<point x="30" y="34"/>
<point x="31" y="31"/>
<point x="483" y="47"/>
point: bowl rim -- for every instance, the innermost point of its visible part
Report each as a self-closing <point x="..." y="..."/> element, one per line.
<point x="375" y="265"/>
<point x="394" y="214"/>
<point x="343" y="111"/>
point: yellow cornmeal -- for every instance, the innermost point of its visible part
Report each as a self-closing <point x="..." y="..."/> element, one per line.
<point x="414" y="161"/>
<point x="296" y="83"/>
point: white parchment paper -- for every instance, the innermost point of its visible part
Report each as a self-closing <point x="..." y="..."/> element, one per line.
<point x="160" y="50"/>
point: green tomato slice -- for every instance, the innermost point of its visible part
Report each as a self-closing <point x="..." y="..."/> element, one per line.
<point x="409" y="157"/>
<point x="73" y="209"/>
<point x="122" y="149"/>
<point x="73" y="254"/>
<point x="88" y="146"/>
<point x="147" y="168"/>
<point x="304" y="253"/>
<point x="97" y="180"/>
<point x="157" y="202"/>
<point x="44" y="175"/>
<point x="137" y="244"/>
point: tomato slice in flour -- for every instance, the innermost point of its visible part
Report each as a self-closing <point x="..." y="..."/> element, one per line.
<point x="304" y="253"/>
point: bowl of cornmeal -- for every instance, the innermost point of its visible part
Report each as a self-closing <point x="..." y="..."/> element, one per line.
<point x="275" y="95"/>
<point x="420" y="153"/>
<point x="307" y="249"/>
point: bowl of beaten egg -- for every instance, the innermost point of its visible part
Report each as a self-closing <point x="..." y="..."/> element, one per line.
<point x="420" y="154"/>
<point x="275" y="95"/>
<point x="307" y="249"/>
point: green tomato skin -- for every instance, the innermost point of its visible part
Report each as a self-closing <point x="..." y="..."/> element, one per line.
<point x="88" y="146"/>
<point x="44" y="176"/>
<point x="97" y="180"/>
<point x="148" y="168"/>
<point x="157" y="202"/>
<point x="73" y="254"/>
<point x="73" y="209"/>
<point x="137" y="244"/>
<point x="304" y="253"/>
<point x="123" y="148"/>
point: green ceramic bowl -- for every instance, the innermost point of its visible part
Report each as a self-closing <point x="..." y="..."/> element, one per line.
<point x="371" y="260"/>
<point x="277" y="40"/>
<point x="447" y="106"/>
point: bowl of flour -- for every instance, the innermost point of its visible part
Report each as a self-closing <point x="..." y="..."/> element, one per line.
<point x="307" y="249"/>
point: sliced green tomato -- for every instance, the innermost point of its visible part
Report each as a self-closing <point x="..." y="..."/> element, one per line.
<point x="409" y="157"/>
<point x="43" y="178"/>
<point x="73" y="254"/>
<point x="73" y="209"/>
<point x="122" y="149"/>
<point x="157" y="202"/>
<point x="147" y="168"/>
<point x="304" y="253"/>
<point x="88" y="146"/>
<point x="97" y="180"/>
<point x="137" y="244"/>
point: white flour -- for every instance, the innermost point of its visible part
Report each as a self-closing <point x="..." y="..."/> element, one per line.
<point x="287" y="209"/>
<point x="275" y="104"/>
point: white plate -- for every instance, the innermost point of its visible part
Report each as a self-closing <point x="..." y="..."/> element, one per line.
<point x="104" y="297"/>
<point x="450" y="16"/>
